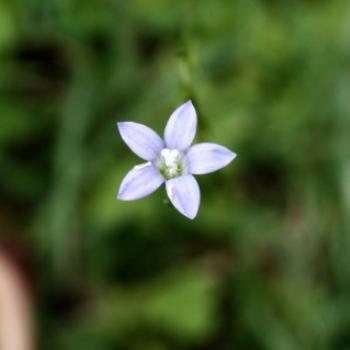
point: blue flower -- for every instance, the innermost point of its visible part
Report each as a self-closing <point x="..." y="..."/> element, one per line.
<point x="171" y="161"/>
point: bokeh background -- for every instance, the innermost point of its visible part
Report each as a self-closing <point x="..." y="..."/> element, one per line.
<point x="266" y="264"/>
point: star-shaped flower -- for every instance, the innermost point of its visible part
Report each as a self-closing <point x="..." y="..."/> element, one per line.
<point x="172" y="161"/>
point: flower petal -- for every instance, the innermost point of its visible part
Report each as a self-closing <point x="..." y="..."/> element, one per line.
<point x="181" y="127"/>
<point x="141" y="139"/>
<point x="205" y="158"/>
<point x="185" y="195"/>
<point x="140" y="181"/>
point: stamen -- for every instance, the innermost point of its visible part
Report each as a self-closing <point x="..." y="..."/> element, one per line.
<point x="171" y="163"/>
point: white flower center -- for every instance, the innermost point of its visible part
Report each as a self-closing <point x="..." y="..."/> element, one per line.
<point x="170" y="163"/>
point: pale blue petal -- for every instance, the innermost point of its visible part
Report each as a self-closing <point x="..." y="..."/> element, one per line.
<point x="141" y="139"/>
<point x="140" y="181"/>
<point x="184" y="193"/>
<point x="181" y="127"/>
<point x="205" y="158"/>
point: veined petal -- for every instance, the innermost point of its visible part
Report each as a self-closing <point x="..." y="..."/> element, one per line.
<point x="184" y="193"/>
<point x="141" y="139"/>
<point x="181" y="127"/>
<point x="140" y="181"/>
<point x="205" y="158"/>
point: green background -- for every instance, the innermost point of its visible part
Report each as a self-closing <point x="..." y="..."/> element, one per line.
<point x="266" y="264"/>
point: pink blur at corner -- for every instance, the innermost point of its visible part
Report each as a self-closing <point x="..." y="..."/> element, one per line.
<point x="16" y="326"/>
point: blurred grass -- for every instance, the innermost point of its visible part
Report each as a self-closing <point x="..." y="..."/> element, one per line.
<point x="265" y="265"/>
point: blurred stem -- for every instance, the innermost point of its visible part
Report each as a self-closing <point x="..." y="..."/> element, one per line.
<point x="77" y="111"/>
<point x="188" y="61"/>
<point x="187" y="55"/>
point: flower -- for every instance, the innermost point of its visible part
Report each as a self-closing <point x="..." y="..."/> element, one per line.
<point x="171" y="161"/>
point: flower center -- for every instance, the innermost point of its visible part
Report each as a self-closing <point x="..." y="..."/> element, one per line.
<point x="171" y="163"/>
